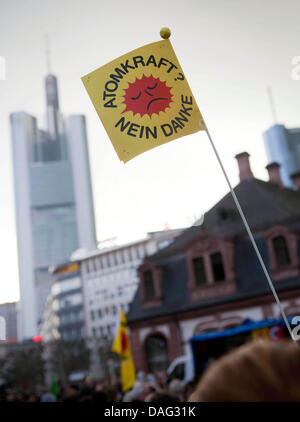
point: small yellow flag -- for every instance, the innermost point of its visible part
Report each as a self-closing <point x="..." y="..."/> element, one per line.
<point x="121" y="346"/>
<point x="261" y="334"/>
<point x="143" y="99"/>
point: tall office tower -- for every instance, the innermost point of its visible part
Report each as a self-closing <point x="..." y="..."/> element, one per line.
<point x="53" y="200"/>
<point x="283" y="147"/>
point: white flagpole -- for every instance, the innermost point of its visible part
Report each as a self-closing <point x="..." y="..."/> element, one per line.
<point x="202" y="124"/>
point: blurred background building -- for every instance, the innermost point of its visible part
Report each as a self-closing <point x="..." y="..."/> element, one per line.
<point x="53" y="200"/>
<point x="9" y="312"/>
<point x="63" y="315"/>
<point x="283" y="146"/>
<point x="209" y="279"/>
<point x="109" y="282"/>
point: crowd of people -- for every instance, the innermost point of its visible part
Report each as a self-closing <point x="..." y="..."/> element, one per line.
<point x="147" y="388"/>
<point x="255" y="372"/>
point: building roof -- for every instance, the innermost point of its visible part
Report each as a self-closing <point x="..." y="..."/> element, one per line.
<point x="83" y="254"/>
<point x="264" y="204"/>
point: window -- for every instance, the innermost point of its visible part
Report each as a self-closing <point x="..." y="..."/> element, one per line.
<point x="137" y="252"/>
<point x="145" y="249"/>
<point x="69" y="284"/>
<point x="157" y="353"/>
<point x="199" y="270"/>
<point x="92" y="315"/>
<point x="71" y="300"/>
<point x="217" y="267"/>
<point x="104" y="262"/>
<point x="281" y="252"/>
<point x="90" y="266"/>
<point x="100" y="313"/>
<point x="129" y="254"/>
<point x="149" y="285"/>
<point x="210" y="265"/>
<point x="151" y="277"/>
<point x="115" y="258"/>
<point x="98" y="264"/>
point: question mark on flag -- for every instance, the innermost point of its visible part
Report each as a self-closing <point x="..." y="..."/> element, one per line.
<point x="181" y="78"/>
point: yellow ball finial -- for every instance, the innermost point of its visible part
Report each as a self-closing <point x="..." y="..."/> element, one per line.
<point x="165" y="33"/>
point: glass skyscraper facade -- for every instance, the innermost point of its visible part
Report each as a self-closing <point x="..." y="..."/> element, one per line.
<point x="53" y="198"/>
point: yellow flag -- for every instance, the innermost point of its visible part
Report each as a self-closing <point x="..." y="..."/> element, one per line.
<point x="143" y="99"/>
<point x="261" y="334"/>
<point x="121" y="346"/>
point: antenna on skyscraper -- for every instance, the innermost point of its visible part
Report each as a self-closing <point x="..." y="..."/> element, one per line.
<point x="47" y="50"/>
<point x="273" y="110"/>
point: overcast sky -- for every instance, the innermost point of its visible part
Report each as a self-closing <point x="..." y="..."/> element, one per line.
<point x="229" y="50"/>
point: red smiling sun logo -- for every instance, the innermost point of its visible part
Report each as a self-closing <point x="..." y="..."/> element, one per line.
<point x="147" y="95"/>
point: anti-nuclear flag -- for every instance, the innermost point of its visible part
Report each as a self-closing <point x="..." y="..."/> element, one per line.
<point x="121" y="346"/>
<point x="143" y="99"/>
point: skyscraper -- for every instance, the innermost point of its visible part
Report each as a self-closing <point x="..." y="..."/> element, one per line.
<point x="53" y="200"/>
<point x="283" y="146"/>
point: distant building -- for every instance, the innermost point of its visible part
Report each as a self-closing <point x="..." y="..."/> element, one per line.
<point x="53" y="200"/>
<point x="9" y="312"/>
<point x="209" y="279"/>
<point x="109" y="280"/>
<point x="283" y="146"/>
<point x="63" y="315"/>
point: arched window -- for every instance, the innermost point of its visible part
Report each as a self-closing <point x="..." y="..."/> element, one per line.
<point x="281" y="251"/>
<point x="157" y="353"/>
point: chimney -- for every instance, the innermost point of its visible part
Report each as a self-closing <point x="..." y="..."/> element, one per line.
<point x="274" y="173"/>
<point x="244" y="166"/>
<point x="296" y="180"/>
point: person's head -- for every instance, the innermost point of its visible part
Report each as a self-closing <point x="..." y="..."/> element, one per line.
<point x="162" y="397"/>
<point x="255" y="372"/>
<point x="89" y="382"/>
<point x="176" y="387"/>
<point x="71" y="390"/>
<point x="33" y="398"/>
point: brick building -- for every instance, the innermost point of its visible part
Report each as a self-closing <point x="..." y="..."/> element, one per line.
<point x="210" y="279"/>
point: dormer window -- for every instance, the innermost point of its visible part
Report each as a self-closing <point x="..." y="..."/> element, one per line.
<point x="281" y="251"/>
<point x="150" y="277"/>
<point x="282" y="247"/>
<point x="149" y="285"/>
<point x="217" y="267"/>
<point x="199" y="271"/>
<point x="210" y="261"/>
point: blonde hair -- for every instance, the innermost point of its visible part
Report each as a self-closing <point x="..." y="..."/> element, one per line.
<point x="255" y="372"/>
